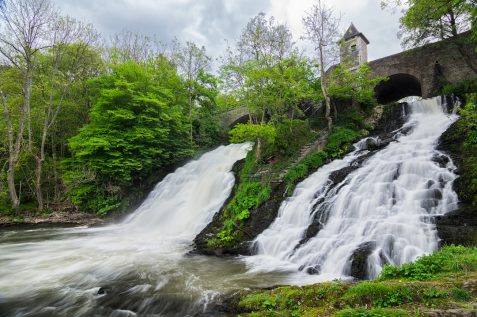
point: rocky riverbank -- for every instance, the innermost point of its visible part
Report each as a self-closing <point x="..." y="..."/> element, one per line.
<point x="55" y="218"/>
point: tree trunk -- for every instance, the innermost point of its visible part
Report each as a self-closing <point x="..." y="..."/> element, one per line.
<point x="55" y="168"/>
<point x="11" y="186"/>
<point x="258" y="149"/>
<point x="325" y="90"/>
<point x="327" y="102"/>
<point x="190" y="119"/>
<point x="453" y="23"/>
<point x="14" y="148"/>
<point x="38" y="189"/>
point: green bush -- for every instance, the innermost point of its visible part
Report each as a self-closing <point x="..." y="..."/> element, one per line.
<point x="462" y="88"/>
<point x="249" y="132"/>
<point x="304" y="168"/>
<point x="448" y="259"/>
<point x="248" y="196"/>
<point x="339" y="141"/>
<point x="290" y="136"/>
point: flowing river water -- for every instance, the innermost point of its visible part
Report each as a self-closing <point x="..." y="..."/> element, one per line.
<point x="141" y="266"/>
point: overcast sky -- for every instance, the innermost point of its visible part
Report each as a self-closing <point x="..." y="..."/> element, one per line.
<point x="211" y="22"/>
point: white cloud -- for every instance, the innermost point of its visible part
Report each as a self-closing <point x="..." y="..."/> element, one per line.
<point x="210" y="22"/>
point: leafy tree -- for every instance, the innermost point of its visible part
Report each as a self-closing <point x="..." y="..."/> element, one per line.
<point x="24" y="33"/>
<point x="126" y="45"/>
<point x="192" y="63"/>
<point x="206" y="127"/>
<point x="322" y="25"/>
<point x="355" y="85"/>
<point x="425" y="21"/>
<point x="71" y="59"/>
<point x="257" y="63"/>
<point x="136" y="127"/>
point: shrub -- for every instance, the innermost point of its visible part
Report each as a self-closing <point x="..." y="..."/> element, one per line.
<point x="290" y="136"/>
<point x="340" y="140"/>
<point x="304" y="168"/>
<point x="448" y="259"/>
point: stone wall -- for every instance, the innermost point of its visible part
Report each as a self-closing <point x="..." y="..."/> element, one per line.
<point x="433" y="65"/>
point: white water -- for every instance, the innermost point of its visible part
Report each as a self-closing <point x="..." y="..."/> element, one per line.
<point x="61" y="273"/>
<point x="381" y="203"/>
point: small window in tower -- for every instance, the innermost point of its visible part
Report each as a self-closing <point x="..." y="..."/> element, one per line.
<point x="353" y="47"/>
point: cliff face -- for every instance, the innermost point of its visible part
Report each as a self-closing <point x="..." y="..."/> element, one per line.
<point x="460" y="226"/>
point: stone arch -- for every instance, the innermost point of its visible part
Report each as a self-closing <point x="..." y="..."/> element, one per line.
<point x="397" y="87"/>
<point x="241" y="119"/>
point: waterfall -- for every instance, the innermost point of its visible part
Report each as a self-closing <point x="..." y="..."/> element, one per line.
<point x="141" y="261"/>
<point x="382" y="209"/>
<point x="185" y="201"/>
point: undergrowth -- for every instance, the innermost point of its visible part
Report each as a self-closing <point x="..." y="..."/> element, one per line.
<point x="450" y="259"/>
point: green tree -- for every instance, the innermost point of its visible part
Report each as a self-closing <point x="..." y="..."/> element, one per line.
<point x="254" y="64"/>
<point x="192" y="63"/>
<point x="322" y="25"/>
<point x="426" y="21"/>
<point x="136" y="126"/>
<point x="353" y="85"/>
<point x="25" y="26"/>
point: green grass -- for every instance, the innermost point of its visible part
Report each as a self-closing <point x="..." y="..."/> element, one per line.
<point x="450" y="259"/>
<point x="309" y="164"/>
<point x="398" y="296"/>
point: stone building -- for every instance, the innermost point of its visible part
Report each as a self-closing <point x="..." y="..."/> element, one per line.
<point x="354" y="47"/>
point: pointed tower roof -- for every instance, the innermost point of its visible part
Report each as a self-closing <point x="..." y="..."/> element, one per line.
<point x="353" y="32"/>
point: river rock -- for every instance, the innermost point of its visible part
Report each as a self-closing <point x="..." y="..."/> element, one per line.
<point x="359" y="260"/>
<point x="460" y="225"/>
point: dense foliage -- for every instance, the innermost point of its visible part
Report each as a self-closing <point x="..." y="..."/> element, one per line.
<point x="134" y="118"/>
<point x="429" y="20"/>
<point x="451" y="259"/>
<point x="353" y="85"/>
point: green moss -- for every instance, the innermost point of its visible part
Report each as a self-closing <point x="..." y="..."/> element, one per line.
<point x="310" y="164"/>
<point x="373" y="298"/>
<point x="379" y="312"/>
<point x="380" y="294"/>
<point x="461" y="139"/>
<point x="340" y="140"/>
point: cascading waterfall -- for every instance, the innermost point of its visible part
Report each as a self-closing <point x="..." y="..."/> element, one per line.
<point x="140" y="262"/>
<point x="383" y="208"/>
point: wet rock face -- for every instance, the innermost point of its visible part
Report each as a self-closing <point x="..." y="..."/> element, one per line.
<point x="460" y="225"/>
<point x="359" y="260"/>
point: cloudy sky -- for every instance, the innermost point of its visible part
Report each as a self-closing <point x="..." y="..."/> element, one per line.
<point x="212" y="22"/>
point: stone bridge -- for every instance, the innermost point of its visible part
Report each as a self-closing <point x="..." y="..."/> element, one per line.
<point x="234" y="116"/>
<point x="423" y="71"/>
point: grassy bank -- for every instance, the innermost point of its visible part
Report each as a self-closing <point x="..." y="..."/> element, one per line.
<point x="444" y="282"/>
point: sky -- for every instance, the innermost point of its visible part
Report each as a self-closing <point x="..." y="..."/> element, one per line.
<point x="214" y="23"/>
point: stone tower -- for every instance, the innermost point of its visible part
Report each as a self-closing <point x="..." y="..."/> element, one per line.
<point x="354" y="47"/>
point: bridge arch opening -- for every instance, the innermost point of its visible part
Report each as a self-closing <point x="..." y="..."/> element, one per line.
<point x="241" y="119"/>
<point x="398" y="86"/>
